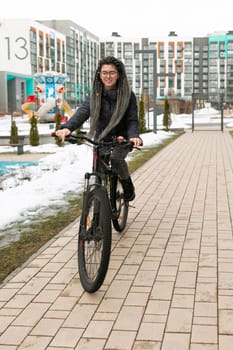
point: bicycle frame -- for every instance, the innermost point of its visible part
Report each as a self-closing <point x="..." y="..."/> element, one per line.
<point x="101" y="169"/>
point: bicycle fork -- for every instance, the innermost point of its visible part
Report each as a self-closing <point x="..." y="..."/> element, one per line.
<point x="90" y="228"/>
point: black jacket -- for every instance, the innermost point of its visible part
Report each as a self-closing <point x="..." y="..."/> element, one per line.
<point x="127" y="127"/>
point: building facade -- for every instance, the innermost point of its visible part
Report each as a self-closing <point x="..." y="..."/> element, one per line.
<point x="27" y="47"/>
<point x="82" y="56"/>
<point x="199" y="68"/>
<point x="163" y="65"/>
<point x="220" y="66"/>
<point x="31" y="47"/>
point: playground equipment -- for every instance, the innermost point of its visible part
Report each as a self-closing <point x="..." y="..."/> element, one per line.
<point x="49" y="94"/>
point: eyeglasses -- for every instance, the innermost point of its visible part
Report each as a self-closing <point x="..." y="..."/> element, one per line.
<point x="111" y="73"/>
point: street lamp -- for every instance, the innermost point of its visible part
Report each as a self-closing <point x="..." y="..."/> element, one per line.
<point x="154" y="53"/>
<point x="222" y="106"/>
<point x="193" y="107"/>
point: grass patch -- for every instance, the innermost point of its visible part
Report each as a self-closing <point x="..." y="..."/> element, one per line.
<point x="34" y="237"/>
<point x="37" y="234"/>
<point x="148" y="152"/>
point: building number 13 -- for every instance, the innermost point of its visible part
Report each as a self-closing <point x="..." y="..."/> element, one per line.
<point x="21" y="48"/>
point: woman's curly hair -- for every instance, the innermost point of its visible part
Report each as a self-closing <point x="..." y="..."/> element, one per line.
<point x="123" y="96"/>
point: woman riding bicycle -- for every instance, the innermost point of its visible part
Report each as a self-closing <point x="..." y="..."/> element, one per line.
<point x="112" y="108"/>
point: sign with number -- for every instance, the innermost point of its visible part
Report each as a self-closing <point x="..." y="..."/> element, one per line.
<point x="15" y="47"/>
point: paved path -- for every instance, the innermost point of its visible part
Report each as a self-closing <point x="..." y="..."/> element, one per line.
<point x="170" y="281"/>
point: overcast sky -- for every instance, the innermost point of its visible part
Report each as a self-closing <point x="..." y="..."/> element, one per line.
<point x="146" y="18"/>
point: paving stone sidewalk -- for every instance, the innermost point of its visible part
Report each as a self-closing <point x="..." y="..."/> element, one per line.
<point x="170" y="280"/>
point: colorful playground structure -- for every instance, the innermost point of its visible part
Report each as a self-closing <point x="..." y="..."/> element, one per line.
<point x="49" y="95"/>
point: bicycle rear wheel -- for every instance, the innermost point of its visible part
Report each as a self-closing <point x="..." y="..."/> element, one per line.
<point x="94" y="242"/>
<point x="120" y="207"/>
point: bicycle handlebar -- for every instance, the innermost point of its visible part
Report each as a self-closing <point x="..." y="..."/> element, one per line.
<point x="74" y="139"/>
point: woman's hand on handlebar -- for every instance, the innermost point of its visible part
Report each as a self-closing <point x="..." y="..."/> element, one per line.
<point x="137" y="141"/>
<point x="62" y="133"/>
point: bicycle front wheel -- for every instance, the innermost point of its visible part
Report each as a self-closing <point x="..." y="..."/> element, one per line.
<point x="119" y="206"/>
<point x="94" y="242"/>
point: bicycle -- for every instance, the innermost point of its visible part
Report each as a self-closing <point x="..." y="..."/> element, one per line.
<point x="103" y="206"/>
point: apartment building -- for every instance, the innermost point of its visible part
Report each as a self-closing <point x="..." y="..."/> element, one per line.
<point x="199" y="68"/>
<point x="82" y="56"/>
<point x="30" y="47"/>
<point x="220" y="66"/>
<point x="163" y="65"/>
<point x="182" y="68"/>
<point x="27" y="47"/>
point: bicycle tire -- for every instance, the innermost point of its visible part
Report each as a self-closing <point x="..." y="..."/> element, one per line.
<point x="120" y="207"/>
<point x="95" y="238"/>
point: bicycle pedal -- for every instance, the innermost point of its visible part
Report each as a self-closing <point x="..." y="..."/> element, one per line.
<point x="131" y="206"/>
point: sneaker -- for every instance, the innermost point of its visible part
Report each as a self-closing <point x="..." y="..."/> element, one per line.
<point x="128" y="187"/>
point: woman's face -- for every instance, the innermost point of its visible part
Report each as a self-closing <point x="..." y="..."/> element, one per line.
<point x="109" y="76"/>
